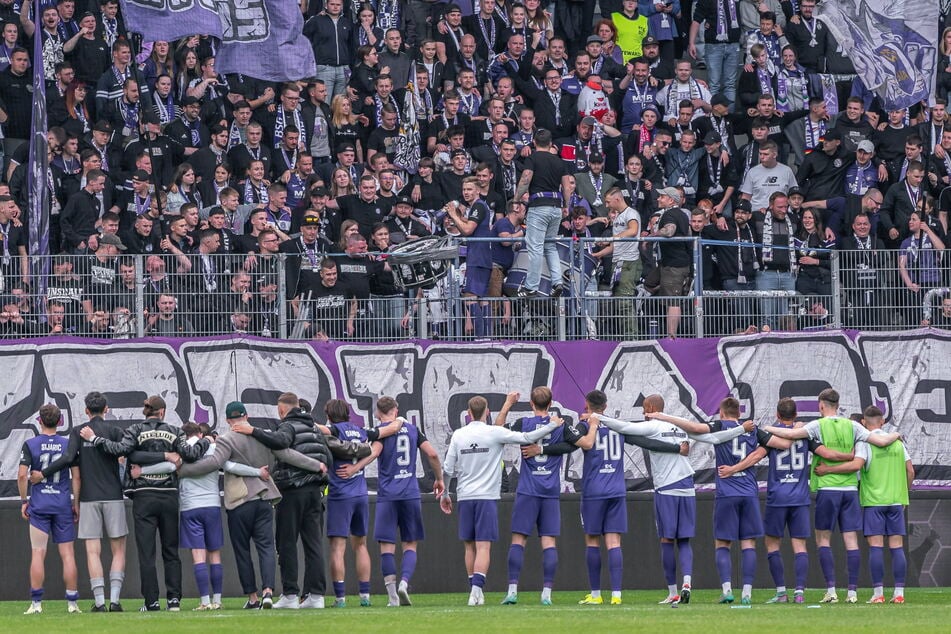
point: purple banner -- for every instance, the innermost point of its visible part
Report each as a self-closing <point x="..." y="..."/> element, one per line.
<point x="171" y="19"/>
<point x="906" y="374"/>
<point x="39" y="180"/>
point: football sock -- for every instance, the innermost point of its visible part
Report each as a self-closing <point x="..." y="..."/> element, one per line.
<point x="36" y="595"/>
<point x="853" y="560"/>
<point x="593" y="559"/>
<point x="827" y="563"/>
<point x="549" y="566"/>
<point x="747" y="590"/>
<point x="72" y="596"/>
<point x="98" y="590"/>
<point x="671" y="589"/>
<point x="202" y="579"/>
<point x="217" y="581"/>
<point x="339" y="589"/>
<point x="478" y="580"/>
<point x="364" y="588"/>
<point x="516" y="557"/>
<point x="388" y="564"/>
<point x="115" y="584"/>
<point x="616" y="568"/>
<point x="876" y="566"/>
<point x="724" y="566"/>
<point x="408" y="565"/>
<point x="687" y="580"/>
<point x="748" y="563"/>
<point x="899" y="569"/>
<point x="802" y="570"/>
<point x="669" y="561"/>
<point x="776" y="567"/>
<point x="546" y="593"/>
<point x="685" y="550"/>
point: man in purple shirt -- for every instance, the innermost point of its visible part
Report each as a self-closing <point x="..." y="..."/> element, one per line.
<point x="398" y="498"/>
<point x="49" y="508"/>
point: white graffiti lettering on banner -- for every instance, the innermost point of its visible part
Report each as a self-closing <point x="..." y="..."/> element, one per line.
<point x="243" y="20"/>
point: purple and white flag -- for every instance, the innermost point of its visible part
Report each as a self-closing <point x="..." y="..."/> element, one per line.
<point x="38" y="165"/>
<point x="169" y="20"/>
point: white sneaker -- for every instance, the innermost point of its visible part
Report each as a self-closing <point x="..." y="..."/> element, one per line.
<point x="287" y="602"/>
<point x="35" y="608"/>
<point x="403" y="592"/>
<point x="312" y="603"/>
<point x="73" y="608"/>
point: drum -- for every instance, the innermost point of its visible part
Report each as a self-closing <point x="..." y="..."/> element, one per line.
<point x="582" y="270"/>
<point x="421" y="263"/>
<point x="519" y="271"/>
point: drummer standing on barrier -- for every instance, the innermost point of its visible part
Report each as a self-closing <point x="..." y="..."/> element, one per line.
<point x="544" y="185"/>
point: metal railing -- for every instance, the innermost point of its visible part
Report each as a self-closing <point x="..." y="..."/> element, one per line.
<point x="125" y="296"/>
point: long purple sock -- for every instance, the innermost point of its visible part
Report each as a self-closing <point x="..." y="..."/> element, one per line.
<point x="669" y="561"/>
<point x="899" y="566"/>
<point x="853" y="559"/>
<point x="549" y="566"/>
<point x="749" y="565"/>
<point x="478" y="580"/>
<point x="827" y="563"/>
<point x="724" y="565"/>
<point x="202" y="578"/>
<point x="616" y="567"/>
<point x="388" y="564"/>
<point x="340" y="589"/>
<point x="802" y="570"/>
<point x="516" y="557"/>
<point x="876" y="565"/>
<point x="408" y="566"/>
<point x="776" y="568"/>
<point x="36" y="595"/>
<point x="364" y="587"/>
<point x="685" y="550"/>
<point x="593" y="558"/>
<point x="217" y="574"/>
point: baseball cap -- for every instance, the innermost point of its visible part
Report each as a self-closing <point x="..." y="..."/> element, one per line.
<point x="140" y="175"/>
<point x="403" y="200"/>
<point x="102" y="126"/>
<point x="589" y="120"/>
<point x="597" y="157"/>
<point x="673" y="193"/>
<point x="650" y="40"/>
<point x="235" y="409"/>
<point x="832" y="135"/>
<point x="720" y="100"/>
<point x="452" y="8"/>
<point x="594" y="39"/>
<point x="456" y="153"/>
<point x="310" y="220"/>
<point x="866" y="146"/>
<point x="794" y="191"/>
<point x="744" y="205"/>
<point x="346" y="147"/>
<point x="113" y="239"/>
<point x="319" y="192"/>
<point x="712" y="137"/>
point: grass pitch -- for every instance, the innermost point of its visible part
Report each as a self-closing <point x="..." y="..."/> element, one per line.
<point x="926" y="610"/>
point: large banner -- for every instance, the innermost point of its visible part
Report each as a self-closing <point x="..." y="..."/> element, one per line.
<point x="906" y="374"/>
<point x="892" y="44"/>
<point x="259" y="38"/>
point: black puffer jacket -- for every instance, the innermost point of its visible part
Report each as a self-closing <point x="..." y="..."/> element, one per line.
<point x="297" y="432"/>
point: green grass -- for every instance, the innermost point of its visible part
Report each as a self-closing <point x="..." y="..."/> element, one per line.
<point x="927" y="610"/>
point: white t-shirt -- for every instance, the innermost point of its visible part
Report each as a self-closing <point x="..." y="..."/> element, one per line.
<point x="760" y="182"/>
<point x="625" y="251"/>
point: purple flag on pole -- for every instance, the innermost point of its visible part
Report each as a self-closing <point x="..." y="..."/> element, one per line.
<point x="262" y="38"/>
<point x="171" y="19"/>
<point x="37" y="174"/>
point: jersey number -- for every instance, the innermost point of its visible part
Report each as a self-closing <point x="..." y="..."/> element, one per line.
<point x="610" y="446"/>
<point x="45" y="460"/>
<point x="739" y="449"/>
<point x="402" y="450"/>
<point x="796" y="459"/>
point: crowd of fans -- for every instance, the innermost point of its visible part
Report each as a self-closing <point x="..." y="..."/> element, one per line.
<point x="153" y="153"/>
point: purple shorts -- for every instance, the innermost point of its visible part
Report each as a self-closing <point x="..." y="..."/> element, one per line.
<point x="736" y="518"/>
<point x="479" y="520"/>
<point x="348" y="516"/>
<point x="675" y="516"/>
<point x="532" y="511"/>
<point x="407" y="515"/>
<point x="777" y="518"/>
<point x="884" y="520"/>
<point x="59" y="526"/>
<point x="201" y="529"/>
<point x="838" y="507"/>
<point x="477" y="281"/>
<point x="604" y="515"/>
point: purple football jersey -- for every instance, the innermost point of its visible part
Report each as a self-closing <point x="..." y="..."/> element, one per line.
<point x="540" y="475"/>
<point x="603" y="472"/>
<point x="730" y="453"/>
<point x="51" y="495"/>
<point x="397" y="464"/>
<point x="355" y="486"/>
<point x="787" y="483"/>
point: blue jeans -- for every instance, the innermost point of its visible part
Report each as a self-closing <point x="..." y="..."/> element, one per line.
<point x="335" y="78"/>
<point x="723" y="67"/>
<point x="774" y="307"/>
<point x="541" y="224"/>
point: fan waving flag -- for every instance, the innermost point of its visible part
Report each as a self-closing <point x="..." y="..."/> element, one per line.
<point x="38" y="173"/>
<point x="259" y="38"/>
<point x="891" y="44"/>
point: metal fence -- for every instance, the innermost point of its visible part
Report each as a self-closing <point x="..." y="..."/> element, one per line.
<point x="125" y="296"/>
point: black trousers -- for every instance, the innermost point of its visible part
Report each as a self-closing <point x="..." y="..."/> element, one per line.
<point x="157" y="512"/>
<point x="253" y="521"/>
<point x="300" y="513"/>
